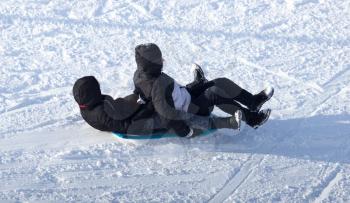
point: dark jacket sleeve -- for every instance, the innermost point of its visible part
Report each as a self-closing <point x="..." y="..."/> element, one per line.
<point x="164" y="106"/>
<point x="132" y="97"/>
<point x="121" y="108"/>
<point x="137" y="91"/>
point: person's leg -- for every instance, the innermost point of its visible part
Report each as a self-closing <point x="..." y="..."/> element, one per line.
<point x="197" y="88"/>
<point x="221" y="91"/>
<point x="247" y="116"/>
<point x="200" y="105"/>
<point x="146" y="125"/>
<point x="154" y="124"/>
<point x="208" y="123"/>
<point x="226" y="91"/>
<point x="216" y="96"/>
<point x="223" y="99"/>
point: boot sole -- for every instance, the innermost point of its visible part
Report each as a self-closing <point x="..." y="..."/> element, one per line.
<point x="265" y="120"/>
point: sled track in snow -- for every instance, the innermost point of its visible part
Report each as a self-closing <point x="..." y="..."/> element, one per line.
<point x="283" y="75"/>
<point x="341" y="79"/>
<point x="330" y="182"/>
<point x="332" y="87"/>
<point x="322" y="190"/>
<point x="237" y="180"/>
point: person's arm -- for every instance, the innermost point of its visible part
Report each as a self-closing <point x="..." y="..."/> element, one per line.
<point x="120" y="108"/>
<point x="132" y="98"/>
<point x="140" y="96"/>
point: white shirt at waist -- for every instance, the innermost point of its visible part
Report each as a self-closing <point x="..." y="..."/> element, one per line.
<point x="181" y="97"/>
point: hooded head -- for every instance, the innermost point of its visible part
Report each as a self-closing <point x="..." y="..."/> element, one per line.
<point x="87" y="92"/>
<point x="149" y="59"/>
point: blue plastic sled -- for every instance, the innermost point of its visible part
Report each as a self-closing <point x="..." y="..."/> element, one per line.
<point x="155" y="136"/>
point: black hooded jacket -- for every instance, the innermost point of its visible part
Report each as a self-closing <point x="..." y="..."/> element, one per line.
<point x="156" y="87"/>
<point x="104" y="113"/>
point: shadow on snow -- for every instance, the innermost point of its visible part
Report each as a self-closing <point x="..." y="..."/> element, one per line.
<point x="318" y="138"/>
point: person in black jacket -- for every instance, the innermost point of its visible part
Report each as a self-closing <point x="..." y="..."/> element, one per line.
<point x="171" y="100"/>
<point x="126" y="115"/>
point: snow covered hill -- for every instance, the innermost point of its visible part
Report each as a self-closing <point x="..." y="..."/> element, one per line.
<point x="301" y="47"/>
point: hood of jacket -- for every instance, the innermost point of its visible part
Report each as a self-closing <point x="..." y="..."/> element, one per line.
<point x="87" y="92"/>
<point x="149" y="59"/>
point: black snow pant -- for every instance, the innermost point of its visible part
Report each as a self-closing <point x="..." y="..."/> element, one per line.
<point x="225" y="94"/>
<point x="154" y="125"/>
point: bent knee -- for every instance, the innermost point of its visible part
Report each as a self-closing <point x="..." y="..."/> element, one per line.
<point x="221" y="82"/>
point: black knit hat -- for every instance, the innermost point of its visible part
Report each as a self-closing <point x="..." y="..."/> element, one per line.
<point x="87" y="92"/>
<point x="149" y="59"/>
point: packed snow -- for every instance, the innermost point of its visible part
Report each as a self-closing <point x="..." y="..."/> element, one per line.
<point x="300" y="47"/>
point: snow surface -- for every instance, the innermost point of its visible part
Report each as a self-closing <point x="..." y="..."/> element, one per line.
<point x="301" y="47"/>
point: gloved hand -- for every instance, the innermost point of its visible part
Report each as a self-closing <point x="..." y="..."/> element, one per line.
<point x="140" y="101"/>
<point x="194" y="132"/>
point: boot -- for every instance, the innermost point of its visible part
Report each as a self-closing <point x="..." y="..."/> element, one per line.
<point x="233" y="122"/>
<point x="258" y="119"/>
<point x="198" y="73"/>
<point x="261" y="98"/>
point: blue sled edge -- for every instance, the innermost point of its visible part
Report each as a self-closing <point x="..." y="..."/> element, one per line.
<point x="155" y="136"/>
